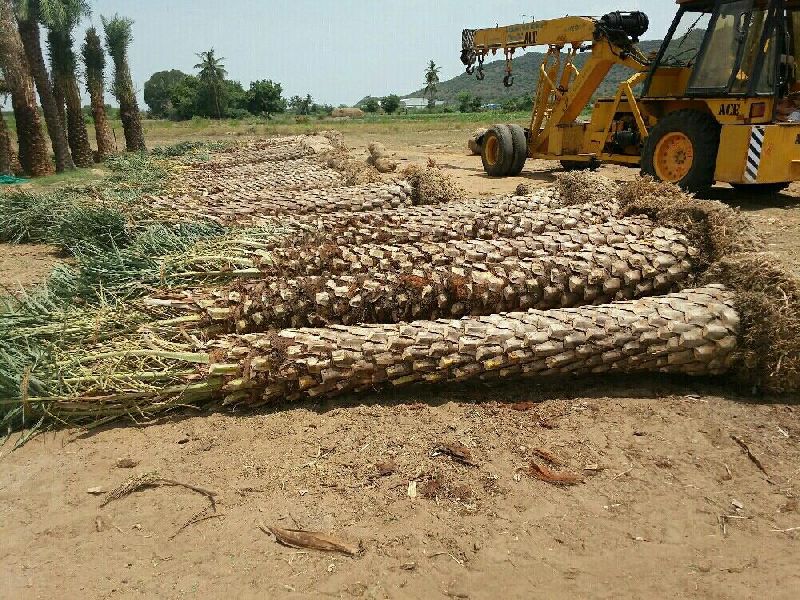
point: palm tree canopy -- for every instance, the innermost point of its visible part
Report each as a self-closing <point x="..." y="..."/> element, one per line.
<point x="432" y="73"/>
<point x="53" y="14"/>
<point x="211" y="68"/>
<point x="119" y="35"/>
<point x="93" y="56"/>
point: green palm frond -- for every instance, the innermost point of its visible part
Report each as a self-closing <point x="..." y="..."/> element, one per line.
<point x="93" y="56"/>
<point x="62" y="57"/>
<point x="211" y="67"/>
<point x="119" y="35"/>
<point x="54" y="14"/>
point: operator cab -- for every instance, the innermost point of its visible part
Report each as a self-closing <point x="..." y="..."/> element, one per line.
<point x="737" y="48"/>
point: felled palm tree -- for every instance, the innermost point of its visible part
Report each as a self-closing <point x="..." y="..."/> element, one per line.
<point x="64" y="65"/>
<point x="431" y="81"/>
<point x="118" y="37"/>
<point x="30" y="13"/>
<point x="212" y="73"/>
<point x="95" y="60"/>
<point x="33" y="152"/>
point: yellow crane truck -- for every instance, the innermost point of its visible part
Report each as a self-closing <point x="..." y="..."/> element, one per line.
<point x="719" y="101"/>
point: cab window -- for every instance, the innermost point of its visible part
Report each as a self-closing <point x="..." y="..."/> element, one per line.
<point x="753" y="50"/>
<point x="792" y="61"/>
<point x="723" y="46"/>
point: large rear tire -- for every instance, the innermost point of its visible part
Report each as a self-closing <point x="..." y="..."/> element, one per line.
<point x="682" y="149"/>
<point x="497" y="153"/>
<point x="520" y="143"/>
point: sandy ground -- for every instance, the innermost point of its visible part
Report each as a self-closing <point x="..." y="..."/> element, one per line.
<point x="24" y="265"/>
<point x="670" y="504"/>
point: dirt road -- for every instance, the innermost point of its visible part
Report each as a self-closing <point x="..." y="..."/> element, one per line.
<point x="669" y="503"/>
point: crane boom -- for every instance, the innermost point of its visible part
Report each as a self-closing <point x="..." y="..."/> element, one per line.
<point x="621" y="29"/>
<point x="573" y="30"/>
<point x="563" y="91"/>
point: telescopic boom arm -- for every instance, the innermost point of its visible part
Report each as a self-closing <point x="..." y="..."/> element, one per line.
<point x="563" y="91"/>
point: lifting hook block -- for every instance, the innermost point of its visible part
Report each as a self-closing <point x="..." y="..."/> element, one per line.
<point x="508" y="81"/>
<point x="480" y="75"/>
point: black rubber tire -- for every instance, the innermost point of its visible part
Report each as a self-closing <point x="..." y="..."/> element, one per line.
<point x="760" y="189"/>
<point x="580" y="165"/>
<point x="520" y="143"/>
<point x="703" y="131"/>
<point x="505" y="151"/>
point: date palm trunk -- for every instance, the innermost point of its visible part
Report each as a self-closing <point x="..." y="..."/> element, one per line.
<point x="94" y="61"/>
<point x="102" y="126"/>
<point x="440" y="223"/>
<point x="64" y="65"/>
<point x="692" y="332"/>
<point x="76" y="125"/>
<point x="31" y="40"/>
<point x="5" y="148"/>
<point x="33" y="152"/>
<point x="420" y="290"/>
<point x="128" y="106"/>
<point x="59" y="95"/>
<point x="348" y="260"/>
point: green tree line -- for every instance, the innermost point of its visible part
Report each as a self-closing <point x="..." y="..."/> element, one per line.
<point x="208" y="93"/>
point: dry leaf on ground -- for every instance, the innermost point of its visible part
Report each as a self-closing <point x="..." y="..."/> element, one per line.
<point x="314" y="540"/>
<point x="557" y="477"/>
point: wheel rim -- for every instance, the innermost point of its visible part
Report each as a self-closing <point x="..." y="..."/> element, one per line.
<point x="674" y="157"/>
<point x="492" y="150"/>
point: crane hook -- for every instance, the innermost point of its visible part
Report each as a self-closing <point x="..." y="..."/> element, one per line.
<point x="508" y="81"/>
<point x="480" y="75"/>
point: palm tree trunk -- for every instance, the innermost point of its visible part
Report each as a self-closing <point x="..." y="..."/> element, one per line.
<point x="332" y="259"/>
<point x="31" y="40"/>
<point x="128" y="106"/>
<point x="5" y="148"/>
<point x="33" y="152"/>
<point x="76" y="126"/>
<point x="64" y="66"/>
<point x="633" y="268"/>
<point x="59" y="96"/>
<point x="103" y="134"/>
<point x="693" y="332"/>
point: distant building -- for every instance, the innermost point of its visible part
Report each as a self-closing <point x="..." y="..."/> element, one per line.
<point x="491" y="106"/>
<point x="419" y="102"/>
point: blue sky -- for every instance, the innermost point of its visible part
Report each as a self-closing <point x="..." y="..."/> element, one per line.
<point x="336" y="50"/>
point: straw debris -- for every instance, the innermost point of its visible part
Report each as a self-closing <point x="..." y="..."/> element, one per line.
<point x="768" y="302"/>
<point x="713" y="227"/>
<point x="431" y="185"/>
<point x="584" y="187"/>
<point x="355" y="172"/>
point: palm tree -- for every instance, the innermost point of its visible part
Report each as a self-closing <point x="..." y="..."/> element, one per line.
<point x="431" y="80"/>
<point x="33" y="153"/>
<point x="5" y="138"/>
<point x="212" y="74"/>
<point x="64" y="66"/>
<point x="29" y="14"/>
<point x="118" y="37"/>
<point x="95" y="60"/>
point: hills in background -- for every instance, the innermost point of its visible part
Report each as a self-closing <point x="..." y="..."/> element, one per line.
<point x="526" y="76"/>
